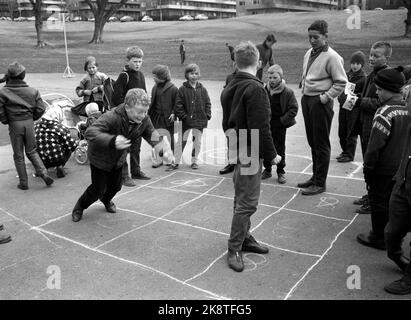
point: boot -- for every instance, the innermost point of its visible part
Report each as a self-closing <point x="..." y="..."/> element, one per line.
<point x="39" y="167"/>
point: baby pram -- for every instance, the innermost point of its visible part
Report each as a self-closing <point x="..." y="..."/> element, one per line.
<point x="70" y="120"/>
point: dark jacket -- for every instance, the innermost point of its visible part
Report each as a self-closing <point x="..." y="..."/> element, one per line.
<point x="353" y="116"/>
<point x="167" y="100"/>
<point x="266" y="54"/>
<point x="403" y="174"/>
<point x="102" y="134"/>
<point x="53" y="141"/>
<point x="127" y="79"/>
<point x="12" y="98"/>
<point x="289" y="106"/>
<point x="193" y="106"/>
<point x="246" y="106"/>
<point x="386" y="142"/>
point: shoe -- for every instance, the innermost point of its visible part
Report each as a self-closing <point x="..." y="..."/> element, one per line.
<point x="47" y="179"/>
<point x="281" y="178"/>
<point x="22" y="186"/>
<point x="401" y="261"/>
<point x="266" y="175"/>
<point x="194" y="166"/>
<point x="364" y="209"/>
<point x="312" y="190"/>
<point x="5" y="239"/>
<point x="401" y="286"/>
<point x="140" y="176"/>
<point x="172" y="167"/>
<point x="110" y="207"/>
<point x="60" y="172"/>
<point x="157" y="165"/>
<point x="253" y="246"/>
<point x="361" y="201"/>
<point x="235" y="260"/>
<point x="344" y="159"/>
<point x="76" y="215"/>
<point x="128" y="182"/>
<point x="227" y="169"/>
<point x="340" y="156"/>
<point x="305" y="184"/>
<point x="370" y="240"/>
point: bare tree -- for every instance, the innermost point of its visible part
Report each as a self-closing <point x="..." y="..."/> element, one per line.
<point x="407" y="21"/>
<point x="37" y="4"/>
<point x="102" y="12"/>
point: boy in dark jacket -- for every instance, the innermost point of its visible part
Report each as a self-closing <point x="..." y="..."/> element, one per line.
<point x="384" y="151"/>
<point x="20" y="106"/>
<point x="246" y="114"/>
<point x="284" y="108"/>
<point x="193" y="108"/>
<point x="108" y="139"/>
<point x="347" y="119"/>
<point x="131" y="77"/>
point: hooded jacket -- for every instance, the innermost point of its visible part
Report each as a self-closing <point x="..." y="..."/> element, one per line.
<point x="246" y="107"/>
<point x="193" y="106"/>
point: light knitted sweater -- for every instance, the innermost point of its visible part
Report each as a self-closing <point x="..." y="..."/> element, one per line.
<point x="326" y="74"/>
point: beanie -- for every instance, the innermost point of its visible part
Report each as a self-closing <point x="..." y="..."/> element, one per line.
<point x="319" y="25"/>
<point x="276" y="68"/>
<point x="358" y="57"/>
<point x="91" y="108"/>
<point x="15" y="69"/>
<point x="162" y="72"/>
<point x="391" y="79"/>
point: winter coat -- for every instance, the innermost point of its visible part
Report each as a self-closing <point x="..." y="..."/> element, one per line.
<point x="403" y="175"/>
<point x="90" y="82"/>
<point x="53" y="141"/>
<point x="127" y="79"/>
<point x="18" y="102"/>
<point x="101" y="137"/>
<point x="266" y="54"/>
<point x="193" y="106"/>
<point x="245" y="107"/>
<point x="289" y="106"/>
<point x="167" y="101"/>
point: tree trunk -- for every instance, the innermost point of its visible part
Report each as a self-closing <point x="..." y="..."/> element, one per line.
<point x="39" y="30"/>
<point x="99" y="23"/>
<point x="408" y="23"/>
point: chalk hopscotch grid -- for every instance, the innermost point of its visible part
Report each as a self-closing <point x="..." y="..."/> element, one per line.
<point x="43" y="232"/>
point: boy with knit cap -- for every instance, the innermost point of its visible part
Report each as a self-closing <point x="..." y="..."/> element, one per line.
<point x="284" y="108"/>
<point x="323" y="80"/>
<point x="20" y="106"/>
<point x="347" y="119"/>
<point x="384" y="151"/>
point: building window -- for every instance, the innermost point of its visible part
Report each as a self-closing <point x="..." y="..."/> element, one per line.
<point x="256" y="1"/>
<point x="242" y="3"/>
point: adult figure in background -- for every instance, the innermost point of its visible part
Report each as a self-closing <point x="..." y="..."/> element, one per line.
<point x="54" y="142"/>
<point x="182" y="52"/>
<point x="266" y="54"/>
<point x="323" y="80"/>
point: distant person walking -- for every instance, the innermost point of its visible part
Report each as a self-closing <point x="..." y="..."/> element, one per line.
<point x="182" y="51"/>
<point x="266" y="54"/>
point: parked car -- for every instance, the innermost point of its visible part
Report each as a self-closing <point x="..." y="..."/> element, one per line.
<point x="126" y="19"/>
<point x="31" y="18"/>
<point x="92" y="19"/>
<point x="52" y="19"/>
<point x="201" y="16"/>
<point x="146" y="19"/>
<point x="76" y="19"/>
<point x="20" y="19"/>
<point x="186" y="18"/>
<point x="113" y="19"/>
<point x="379" y="9"/>
<point x="347" y="10"/>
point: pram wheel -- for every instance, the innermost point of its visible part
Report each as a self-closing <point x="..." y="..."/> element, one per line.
<point x="81" y="155"/>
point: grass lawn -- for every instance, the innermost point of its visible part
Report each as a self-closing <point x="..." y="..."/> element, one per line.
<point x="205" y="41"/>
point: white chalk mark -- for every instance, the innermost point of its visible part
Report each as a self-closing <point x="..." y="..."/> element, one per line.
<point x="359" y="167"/>
<point x="140" y="265"/>
<point x="306" y="168"/>
<point x="159" y="218"/>
<point x="327" y="201"/>
<point x="18" y="262"/>
<point x="248" y="261"/>
<point x="104" y="226"/>
<point x="318" y="215"/>
<point x="289" y="294"/>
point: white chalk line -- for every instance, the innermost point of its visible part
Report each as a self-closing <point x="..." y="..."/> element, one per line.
<point x="318" y="215"/>
<point x="329" y="175"/>
<point x="306" y="168"/>
<point x="289" y="294"/>
<point x="164" y="215"/>
<point x="140" y="265"/>
<point x="115" y="197"/>
<point x="18" y="262"/>
<point x="359" y="167"/>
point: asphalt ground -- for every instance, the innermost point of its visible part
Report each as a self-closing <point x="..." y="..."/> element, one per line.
<point x="168" y="239"/>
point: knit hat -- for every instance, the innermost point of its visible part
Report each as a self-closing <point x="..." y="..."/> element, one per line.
<point x="276" y="68"/>
<point x="91" y="108"/>
<point x="15" y="69"/>
<point x="391" y="79"/>
<point x="162" y="72"/>
<point x="53" y="113"/>
<point x="358" y="57"/>
<point x="319" y="25"/>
